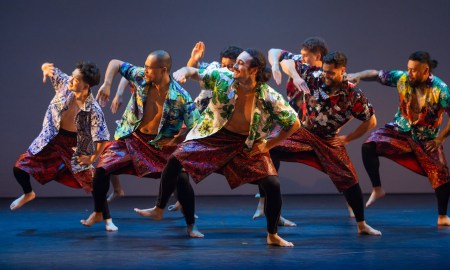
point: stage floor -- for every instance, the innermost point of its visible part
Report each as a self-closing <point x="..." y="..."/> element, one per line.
<point x="47" y="234"/>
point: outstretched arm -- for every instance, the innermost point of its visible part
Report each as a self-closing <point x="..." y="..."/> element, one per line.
<point x="366" y="75"/>
<point x="186" y="73"/>
<point x="105" y="89"/>
<point x="197" y="53"/>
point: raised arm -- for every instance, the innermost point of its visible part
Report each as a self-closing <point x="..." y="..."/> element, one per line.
<point x="197" y="53"/>
<point x="274" y="60"/>
<point x="105" y="89"/>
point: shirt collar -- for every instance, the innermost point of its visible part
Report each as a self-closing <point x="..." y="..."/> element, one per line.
<point x="87" y="106"/>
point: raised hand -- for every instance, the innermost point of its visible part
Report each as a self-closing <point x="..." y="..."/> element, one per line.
<point x="198" y="51"/>
<point x="48" y="70"/>
<point x="276" y="74"/>
<point x="301" y="85"/>
<point x="116" y="103"/>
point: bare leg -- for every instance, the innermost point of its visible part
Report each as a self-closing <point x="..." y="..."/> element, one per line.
<point x="193" y="232"/>
<point x="117" y="189"/>
<point x="443" y="220"/>
<point x="275" y="240"/>
<point x="377" y="193"/>
<point x="364" y="228"/>
<point x="156" y="213"/>
<point x="19" y="202"/>
<point x="260" y="209"/>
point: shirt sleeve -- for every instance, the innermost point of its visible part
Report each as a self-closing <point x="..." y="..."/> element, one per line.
<point x="361" y="107"/>
<point x="444" y="98"/>
<point x="59" y="80"/>
<point x="213" y="77"/>
<point x="133" y="74"/>
<point x="99" y="129"/>
<point x="283" y="113"/>
<point x="390" y="78"/>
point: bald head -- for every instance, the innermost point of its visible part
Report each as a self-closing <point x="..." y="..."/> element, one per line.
<point x="162" y="58"/>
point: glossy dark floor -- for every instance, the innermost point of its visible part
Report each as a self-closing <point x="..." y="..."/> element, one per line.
<point x="46" y="234"/>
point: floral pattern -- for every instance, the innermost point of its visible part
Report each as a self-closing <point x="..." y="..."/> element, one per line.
<point x="90" y="122"/>
<point x="177" y="108"/>
<point x="270" y="109"/>
<point x="424" y="122"/>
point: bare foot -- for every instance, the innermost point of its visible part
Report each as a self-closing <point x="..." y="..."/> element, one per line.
<point x="350" y="211"/>
<point x="377" y="193"/>
<point x="443" y="220"/>
<point x="364" y="228"/>
<point x="156" y="213"/>
<point x="193" y="232"/>
<point x="174" y="207"/>
<point x="286" y="222"/>
<point x="95" y="217"/>
<point x="276" y="240"/>
<point x="260" y="209"/>
<point x="109" y="225"/>
<point x="17" y="203"/>
<point x="115" y="195"/>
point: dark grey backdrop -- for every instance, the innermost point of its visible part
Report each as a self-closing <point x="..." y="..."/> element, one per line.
<point x="373" y="34"/>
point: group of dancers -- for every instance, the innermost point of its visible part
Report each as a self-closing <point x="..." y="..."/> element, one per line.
<point x="238" y="126"/>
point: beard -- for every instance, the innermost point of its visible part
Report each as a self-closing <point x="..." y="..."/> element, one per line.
<point x="416" y="83"/>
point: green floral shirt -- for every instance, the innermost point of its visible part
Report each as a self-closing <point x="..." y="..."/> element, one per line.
<point x="424" y="122"/>
<point x="271" y="112"/>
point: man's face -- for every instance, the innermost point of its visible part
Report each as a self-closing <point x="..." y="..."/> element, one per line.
<point x="417" y="73"/>
<point x="333" y="75"/>
<point x="309" y="58"/>
<point x="76" y="82"/>
<point x="228" y="63"/>
<point x="153" y="71"/>
<point x="242" y="69"/>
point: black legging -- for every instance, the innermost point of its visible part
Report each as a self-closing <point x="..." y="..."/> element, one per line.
<point x="23" y="178"/>
<point x="276" y="164"/>
<point x="354" y="198"/>
<point x="169" y="181"/>
<point x="372" y="164"/>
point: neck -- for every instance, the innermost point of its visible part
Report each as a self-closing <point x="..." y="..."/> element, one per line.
<point x="247" y="86"/>
<point x="81" y="96"/>
<point x="163" y="86"/>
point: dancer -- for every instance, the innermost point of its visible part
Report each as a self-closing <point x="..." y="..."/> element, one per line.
<point x="146" y="134"/>
<point x="412" y="139"/>
<point x="73" y="120"/>
<point x="328" y="104"/>
<point x="230" y="137"/>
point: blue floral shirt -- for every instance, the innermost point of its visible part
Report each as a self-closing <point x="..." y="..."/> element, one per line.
<point x="90" y="122"/>
<point x="177" y="108"/>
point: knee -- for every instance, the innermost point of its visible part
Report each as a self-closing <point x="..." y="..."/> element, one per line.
<point x="271" y="184"/>
<point x="368" y="148"/>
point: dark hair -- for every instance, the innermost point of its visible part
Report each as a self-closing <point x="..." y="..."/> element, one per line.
<point x="337" y="58"/>
<point x="231" y="52"/>
<point x="90" y="72"/>
<point x="163" y="58"/>
<point x="315" y="45"/>
<point x="424" y="57"/>
<point x="258" y="60"/>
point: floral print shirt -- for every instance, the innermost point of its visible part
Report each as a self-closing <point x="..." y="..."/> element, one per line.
<point x="422" y="121"/>
<point x="324" y="112"/>
<point x="270" y="110"/>
<point x="90" y="122"/>
<point x="177" y="108"/>
<point x="202" y="100"/>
